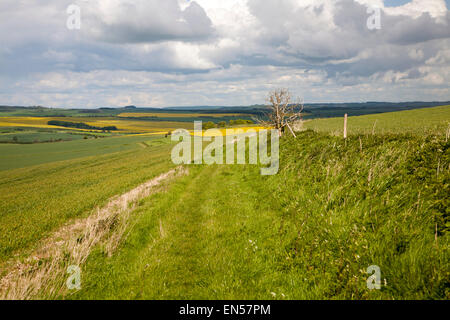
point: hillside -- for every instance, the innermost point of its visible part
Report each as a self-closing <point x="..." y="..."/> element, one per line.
<point x="225" y="232"/>
<point x="429" y="121"/>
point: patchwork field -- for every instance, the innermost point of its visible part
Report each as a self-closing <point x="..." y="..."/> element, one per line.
<point x="123" y="125"/>
<point x="224" y="231"/>
<point x="179" y="115"/>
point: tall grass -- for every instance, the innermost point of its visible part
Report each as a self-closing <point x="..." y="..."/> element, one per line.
<point x="310" y="232"/>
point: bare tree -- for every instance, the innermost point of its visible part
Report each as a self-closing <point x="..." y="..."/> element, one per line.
<point x="283" y="112"/>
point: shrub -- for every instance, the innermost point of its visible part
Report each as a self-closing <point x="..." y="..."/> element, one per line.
<point x="208" y="125"/>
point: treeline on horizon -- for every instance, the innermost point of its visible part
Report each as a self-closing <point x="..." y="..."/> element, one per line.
<point x="223" y="124"/>
<point x="311" y="111"/>
<point x="79" y="125"/>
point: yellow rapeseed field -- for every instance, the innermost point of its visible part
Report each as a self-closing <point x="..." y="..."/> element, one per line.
<point x="223" y="131"/>
<point x="123" y="125"/>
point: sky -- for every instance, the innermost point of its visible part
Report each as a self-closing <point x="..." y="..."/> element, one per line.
<point x="159" y="53"/>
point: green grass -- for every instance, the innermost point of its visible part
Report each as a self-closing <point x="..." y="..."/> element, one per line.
<point x="427" y="121"/>
<point x="11" y="131"/>
<point x="37" y="199"/>
<point x="310" y="232"/>
<point x="34" y="136"/>
<point x="14" y="156"/>
<point x="225" y="232"/>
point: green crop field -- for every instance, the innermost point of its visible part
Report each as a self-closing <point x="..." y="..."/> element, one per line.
<point x="18" y="156"/>
<point x="335" y="208"/>
<point x="428" y="121"/>
<point x="23" y="135"/>
<point x="72" y="180"/>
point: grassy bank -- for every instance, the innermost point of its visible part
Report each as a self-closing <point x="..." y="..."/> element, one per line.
<point x="310" y="232"/>
<point x="434" y="121"/>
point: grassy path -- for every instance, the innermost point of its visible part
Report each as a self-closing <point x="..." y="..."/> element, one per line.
<point x="192" y="242"/>
<point x="183" y="244"/>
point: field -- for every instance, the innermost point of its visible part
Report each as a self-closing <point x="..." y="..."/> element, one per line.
<point x="43" y="185"/>
<point x="128" y="120"/>
<point x="29" y="135"/>
<point x="123" y="125"/>
<point x="421" y="121"/>
<point x="335" y="208"/>
<point x="179" y="115"/>
<point x="18" y="156"/>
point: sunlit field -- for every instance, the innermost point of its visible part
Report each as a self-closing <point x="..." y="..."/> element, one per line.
<point x="428" y="121"/>
<point x="226" y="232"/>
<point x="123" y="125"/>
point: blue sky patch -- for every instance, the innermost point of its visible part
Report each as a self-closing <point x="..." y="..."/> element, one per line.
<point x="396" y="3"/>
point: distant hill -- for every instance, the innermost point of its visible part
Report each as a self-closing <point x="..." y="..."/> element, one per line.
<point x="312" y="110"/>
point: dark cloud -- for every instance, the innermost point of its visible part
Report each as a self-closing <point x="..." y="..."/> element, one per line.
<point x="405" y="30"/>
<point x="149" y="21"/>
<point x="347" y="46"/>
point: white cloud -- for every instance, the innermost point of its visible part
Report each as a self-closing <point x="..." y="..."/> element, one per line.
<point x="144" y="21"/>
<point x="415" y="8"/>
<point x="176" y="52"/>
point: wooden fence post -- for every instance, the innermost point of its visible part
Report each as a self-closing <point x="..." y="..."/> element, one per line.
<point x="345" y="126"/>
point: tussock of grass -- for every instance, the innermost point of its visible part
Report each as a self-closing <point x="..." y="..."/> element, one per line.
<point x="375" y="200"/>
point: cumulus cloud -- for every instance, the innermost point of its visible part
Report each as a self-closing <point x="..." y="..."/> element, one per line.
<point x="157" y="53"/>
<point x="416" y="8"/>
<point x="146" y="21"/>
